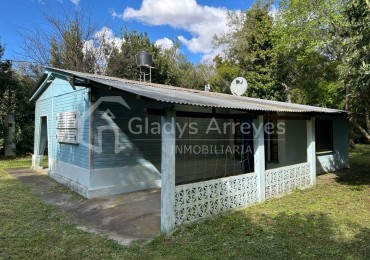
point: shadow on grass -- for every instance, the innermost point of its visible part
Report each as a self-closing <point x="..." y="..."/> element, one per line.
<point x="285" y="235"/>
<point x="359" y="172"/>
<point x="354" y="176"/>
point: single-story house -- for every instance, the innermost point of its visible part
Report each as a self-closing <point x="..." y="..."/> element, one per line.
<point x="209" y="152"/>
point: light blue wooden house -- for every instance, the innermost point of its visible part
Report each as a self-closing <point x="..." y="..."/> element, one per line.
<point x="208" y="152"/>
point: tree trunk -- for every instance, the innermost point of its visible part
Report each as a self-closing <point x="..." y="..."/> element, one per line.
<point x="346" y="103"/>
<point x="351" y="137"/>
<point x="367" y="119"/>
<point x="362" y="130"/>
<point x="287" y="92"/>
<point x="9" y="125"/>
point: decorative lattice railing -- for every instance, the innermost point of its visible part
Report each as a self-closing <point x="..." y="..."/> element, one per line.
<point x="285" y="179"/>
<point x="202" y="199"/>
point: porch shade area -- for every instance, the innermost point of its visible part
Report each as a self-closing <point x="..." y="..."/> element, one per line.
<point x="201" y="184"/>
<point x="210" y="148"/>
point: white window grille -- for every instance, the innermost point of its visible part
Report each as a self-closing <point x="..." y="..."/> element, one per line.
<point x="67" y="127"/>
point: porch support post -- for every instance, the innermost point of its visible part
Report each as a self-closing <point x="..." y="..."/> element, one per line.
<point x="311" y="149"/>
<point x="259" y="155"/>
<point x="168" y="131"/>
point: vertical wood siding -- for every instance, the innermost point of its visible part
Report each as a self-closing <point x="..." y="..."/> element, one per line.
<point x="136" y="147"/>
<point x="60" y="97"/>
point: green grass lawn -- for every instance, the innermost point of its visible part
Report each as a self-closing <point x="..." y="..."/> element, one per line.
<point x="328" y="221"/>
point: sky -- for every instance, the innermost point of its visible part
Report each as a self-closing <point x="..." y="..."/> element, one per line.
<point x="191" y="22"/>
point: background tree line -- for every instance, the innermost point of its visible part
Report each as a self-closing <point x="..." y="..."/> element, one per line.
<point x="314" y="52"/>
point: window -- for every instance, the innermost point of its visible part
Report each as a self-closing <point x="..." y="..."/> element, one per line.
<point x="67" y="127"/>
<point x="324" y="135"/>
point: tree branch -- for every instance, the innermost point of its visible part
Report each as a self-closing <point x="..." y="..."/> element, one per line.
<point x="362" y="130"/>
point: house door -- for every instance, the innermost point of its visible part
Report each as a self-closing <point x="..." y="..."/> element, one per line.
<point x="43" y="137"/>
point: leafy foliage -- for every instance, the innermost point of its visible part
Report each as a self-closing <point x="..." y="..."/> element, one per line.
<point x="64" y="42"/>
<point x="358" y="57"/>
<point x="67" y="49"/>
<point x="14" y="93"/>
<point x="312" y="52"/>
<point x="250" y="53"/>
<point x="122" y="61"/>
<point x="309" y="45"/>
<point x="171" y="67"/>
<point x="68" y="54"/>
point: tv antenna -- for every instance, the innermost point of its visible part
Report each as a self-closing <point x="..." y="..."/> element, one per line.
<point x="238" y="86"/>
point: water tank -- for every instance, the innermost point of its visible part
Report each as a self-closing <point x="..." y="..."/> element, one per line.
<point x="144" y="59"/>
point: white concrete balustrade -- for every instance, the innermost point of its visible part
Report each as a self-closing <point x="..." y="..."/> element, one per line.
<point x="200" y="200"/>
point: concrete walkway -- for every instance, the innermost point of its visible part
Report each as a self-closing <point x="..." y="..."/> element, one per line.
<point x="123" y="217"/>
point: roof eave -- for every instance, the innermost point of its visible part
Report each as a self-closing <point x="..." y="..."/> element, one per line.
<point x="40" y="86"/>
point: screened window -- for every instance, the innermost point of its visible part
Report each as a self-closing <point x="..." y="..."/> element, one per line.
<point x="67" y="127"/>
<point x="324" y="135"/>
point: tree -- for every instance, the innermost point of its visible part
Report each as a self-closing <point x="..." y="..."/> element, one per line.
<point x="121" y="62"/>
<point x="225" y="71"/>
<point x="14" y="92"/>
<point x="308" y="41"/>
<point x="67" y="42"/>
<point x="7" y="92"/>
<point x="73" y="42"/>
<point x="358" y="72"/>
<point x="171" y="67"/>
<point x="68" y="53"/>
<point x="250" y="52"/>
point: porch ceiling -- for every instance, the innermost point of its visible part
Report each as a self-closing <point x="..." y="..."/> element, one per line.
<point x="177" y="95"/>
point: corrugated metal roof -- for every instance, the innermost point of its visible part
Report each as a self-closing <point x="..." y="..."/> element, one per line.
<point x="176" y="95"/>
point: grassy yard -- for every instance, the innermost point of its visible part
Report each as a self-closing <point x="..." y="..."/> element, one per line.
<point x="331" y="220"/>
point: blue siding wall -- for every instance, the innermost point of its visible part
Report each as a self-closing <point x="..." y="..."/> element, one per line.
<point x="43" y="108"/>
<point x="60" y="97"/>
<point x="337" y="159"/>
<point x="145" y="147"/>
<point x="137" y="147"/>
<point x="296" y="142"/>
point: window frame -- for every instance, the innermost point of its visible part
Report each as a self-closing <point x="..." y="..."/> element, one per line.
<point x="324" y="133"/>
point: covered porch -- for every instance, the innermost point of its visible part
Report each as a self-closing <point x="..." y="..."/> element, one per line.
<point x="256" y="177"/>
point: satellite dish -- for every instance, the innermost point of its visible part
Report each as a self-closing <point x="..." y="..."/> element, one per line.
<point x="238" y="86"/>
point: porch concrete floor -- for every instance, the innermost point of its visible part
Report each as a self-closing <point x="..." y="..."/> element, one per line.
<point x="123" y="217"/>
